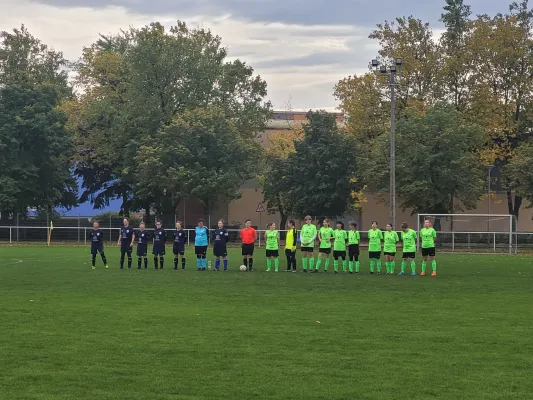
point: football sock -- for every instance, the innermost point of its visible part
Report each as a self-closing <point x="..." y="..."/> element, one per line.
<point x="245" y="262"/>
<point x="161" y="262"/>
<point x="379" y="265"/>
<point x="276" y="265"/>
<point x="198" y="263"/>
<point x="404" y="264"/>
<point x="326" y="265"/>
<point x="434" y="265"/>
<point x="139" y="262"/>
<point x="176" y="262"/>
<point x="251" y="263"/>
<point x="336" y="265"/>
<point x="94" y="260"/>
<point x="424" y="266"/>
<point x="104" y="259"/>
<point x="372" y="262"/>
<point x="311" y="263"/>
<point x="343" y="265"/>
<point x="217" y="263"/>
<point x="130" y="260"/>
<point x="269" y="263"/>
<point x="225" y="264"/>
<point x="155" y="262"/>
<point x="318" y="262"/>
<point x="413" y="266"/>
<point x="122" y="261"/>
<point x="350" y="266"/>
<point x="304" y="263"/>
<point x="145" y="262"/>
<point x="392" y="267"/>
<point x="183" y="262"/>
<point x="357" y="265"/>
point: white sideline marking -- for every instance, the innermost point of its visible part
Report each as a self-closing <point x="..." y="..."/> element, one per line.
<point x="14" y="261"/>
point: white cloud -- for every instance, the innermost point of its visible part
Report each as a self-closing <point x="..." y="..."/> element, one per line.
<point x="69" y="29"/>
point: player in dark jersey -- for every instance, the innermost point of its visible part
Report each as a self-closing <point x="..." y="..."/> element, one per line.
<point x="160" y="238"/>
<point x="125" y="241"/>
<point x="97" y="244"/>
<point x="142" y="236"/>
<point x="219" y="246"/>
<point x="179" y="246"/>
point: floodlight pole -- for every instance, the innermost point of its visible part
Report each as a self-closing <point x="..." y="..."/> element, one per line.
<point x="391" y="72"/>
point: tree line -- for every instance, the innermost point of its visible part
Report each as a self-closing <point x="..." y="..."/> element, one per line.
<point x="154" y="115"/>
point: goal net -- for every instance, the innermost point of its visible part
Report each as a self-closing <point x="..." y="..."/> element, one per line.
<point x="474" y="233"/>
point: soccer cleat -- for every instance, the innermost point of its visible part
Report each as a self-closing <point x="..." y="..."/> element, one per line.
<point x="293" y="270"/>
<point x="434" y="274"/>
<point x="413" y="273"/>
<point x="314" y="271"/>
<point x="93" y="267"/>
<point x="422" y="274"/>
<point x="304" y="270"/>
<point x="401" y="273"/>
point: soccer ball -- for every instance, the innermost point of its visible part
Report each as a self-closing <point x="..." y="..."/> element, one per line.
<point x="243" y="268"/>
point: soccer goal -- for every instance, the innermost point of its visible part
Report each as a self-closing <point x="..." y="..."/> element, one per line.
<point x="473" y="233"/>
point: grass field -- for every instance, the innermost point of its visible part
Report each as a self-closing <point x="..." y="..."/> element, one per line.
<point x="68" y="332"/>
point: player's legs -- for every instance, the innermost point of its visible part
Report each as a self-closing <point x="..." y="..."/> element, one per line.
<point x="122" y="256"/>
<point x="276" y="261"/>
<point x="372" y="261"/>
<point x="433" y="262"/>
<point x="93" y="257"/>
<point x="343" y="257"/>
<point x="336" y="262"/>
<point x="321" y="255"/>
<point x="130" y="259"/>
<point x="268" y="260"/>
<point x="425" y="258"/>
<point x="304" y="260"/>
<point x="288" y="256"/>
<point x="102" y="256"/>
<point x="392" y="265"/>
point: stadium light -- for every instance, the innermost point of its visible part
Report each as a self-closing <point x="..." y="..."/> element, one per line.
<point x="392" y="71"/>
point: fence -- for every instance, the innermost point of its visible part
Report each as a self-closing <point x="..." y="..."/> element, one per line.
<point x="447" y="241"/>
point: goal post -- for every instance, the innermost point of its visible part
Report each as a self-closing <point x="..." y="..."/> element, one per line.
<point x="473" y="233"/>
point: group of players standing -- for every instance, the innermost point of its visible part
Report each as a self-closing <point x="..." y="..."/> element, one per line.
<point x="345" y="245"/>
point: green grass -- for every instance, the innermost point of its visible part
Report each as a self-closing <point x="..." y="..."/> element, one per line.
<point x="67" y="332"/>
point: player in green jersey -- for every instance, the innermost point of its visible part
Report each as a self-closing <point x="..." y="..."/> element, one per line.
<point x="340" y="237"/>
<point x="325" y="237"/>
<point x="390" y="238"/>
<point x="428" y="236"/>
<point x="375" y="236"/>
<point x="307" y="243"/>
<point x="272" y="246"/>
<point x="409" y="249"/>
<point x="353" y="247"/>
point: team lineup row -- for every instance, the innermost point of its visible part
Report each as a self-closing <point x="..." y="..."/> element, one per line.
<point x="345" y="246"/>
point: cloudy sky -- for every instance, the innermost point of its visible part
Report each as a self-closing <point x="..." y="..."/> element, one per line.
<point x="301" y="47"/>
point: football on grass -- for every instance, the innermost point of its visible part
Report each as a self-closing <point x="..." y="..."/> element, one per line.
<point x="243" y="268"/>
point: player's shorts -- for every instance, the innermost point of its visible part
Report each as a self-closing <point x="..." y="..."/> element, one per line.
<point x="272" y="253"/>
<point x="375" y="255"/>
<point x="97" y="248"/>
<point x="353" y="250"/>
<point x="325" y="250"/>
<point x="248" y="249"/>
<point x="429" y="252"/>
<point x="158" y="250"/>
<point x="220" y="251"/>
<point x="339" y="254"/>
<point x="142" y="250"/>
<point x="390" y="254"/>
<point x="125" y="247"/>
<point x="178" y="250"/>
<point x="409" y="254"/>
<point x="307" y="249"/>
<point x="200" y="250"/>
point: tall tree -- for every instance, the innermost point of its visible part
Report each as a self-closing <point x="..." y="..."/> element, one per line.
<point x="326" y="181"/>
<point x="438" y="168"/>
<point x="35" y="146"/>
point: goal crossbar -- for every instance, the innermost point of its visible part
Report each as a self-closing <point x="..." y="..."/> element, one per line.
<point x="506" y="234"/>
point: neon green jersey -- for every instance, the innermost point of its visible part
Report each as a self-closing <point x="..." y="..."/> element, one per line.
<point x="325" y="235"/>
<point x="353" y="237"/>
<point x="409" y="241"/>
<point x="390" y="239"/>
<point x="308" y="235"/>
<point x="428" y="236"/>
<point x="375" y="236"/>
<point x="340" y="236"/>
<point x="272" y="240"/>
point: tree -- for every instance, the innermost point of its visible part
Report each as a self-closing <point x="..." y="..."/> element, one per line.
<point x="456" y="65"/>
<point x="325" y="179"/>
<point x="519" y="172"/>
<point x="274" y="177"/>
<point x="200" y="153"/>
<point x="437" y="165"/>
<point x="35" y="146"/>
<point x="147" y="80"/>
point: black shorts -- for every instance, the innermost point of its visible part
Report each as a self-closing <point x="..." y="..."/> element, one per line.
<point x="220" y="251"/>
<point x="409" y="254"/>
<point x="97" y="248"/>
<point x="248" y="249"/>
<point x="325" y="251"/>
<point x="353" y="252"/>
<point x="429" y="252"/>
<point x="178" y="250"/>
<point x="307" y="249"/>
<point x="125" y="248"/>
<point x="388" y="253"/>
<point x="158" y="250"/>
<point x="272" y="253"/>
<point x="339" y="254"/>
<point x="200" y="250"/>
<point x="376" y="255"/>
<point x="142" y="250"/>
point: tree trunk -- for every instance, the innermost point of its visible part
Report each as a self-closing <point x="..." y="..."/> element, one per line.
<point x="283" y="223"/>
<point x="514" y="209"/>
